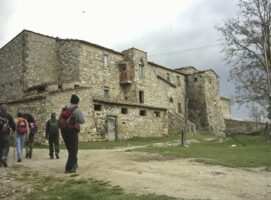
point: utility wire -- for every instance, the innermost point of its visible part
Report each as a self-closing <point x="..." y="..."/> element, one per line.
<point x="184" y="50"/>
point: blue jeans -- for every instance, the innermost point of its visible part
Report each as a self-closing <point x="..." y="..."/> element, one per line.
<point x="20" y="139"/>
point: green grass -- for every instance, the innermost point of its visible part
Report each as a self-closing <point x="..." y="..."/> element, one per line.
<point x="250" y="151"/>
<point x="136" y="141"/>
<point x="83" y="189"/>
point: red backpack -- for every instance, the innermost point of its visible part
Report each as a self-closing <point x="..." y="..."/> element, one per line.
<point x="22" y="127"/>
<point x="67" y="119"/>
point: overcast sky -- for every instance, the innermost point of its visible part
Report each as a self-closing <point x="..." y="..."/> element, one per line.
<point x="169" y="30"/>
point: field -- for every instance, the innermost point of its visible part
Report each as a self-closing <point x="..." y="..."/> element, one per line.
<point x="151" y="168"/>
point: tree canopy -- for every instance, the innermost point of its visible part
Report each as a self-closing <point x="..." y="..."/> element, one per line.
<point x="247" y="49"/>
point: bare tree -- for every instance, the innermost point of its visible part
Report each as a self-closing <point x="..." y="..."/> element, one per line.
<point x="247" y="49"/>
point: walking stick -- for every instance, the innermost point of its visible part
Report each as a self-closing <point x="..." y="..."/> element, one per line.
<point x="14" y="143"/>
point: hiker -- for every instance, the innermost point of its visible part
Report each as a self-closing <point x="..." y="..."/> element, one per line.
<point x="22" y="132"/>
<point x="69" y="120"/>
<point x="52" y="135"/>
<point x="33" y="128"/>
<point x="6" y="123"/>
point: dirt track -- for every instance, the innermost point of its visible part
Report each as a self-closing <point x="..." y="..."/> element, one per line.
<point x="144" y="173"/>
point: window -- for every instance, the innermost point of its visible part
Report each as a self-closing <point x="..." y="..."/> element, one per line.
<point x="157" y="114"/>
<point x="168" y="77"/>
<point x="106" y="93"/>
<point x="178" y="81"/>
<point x="105" y="60"/>
<point x="124" y="111"/>
<point x="141" y="97"/>
<point x="179" y="108"/>
<point x="142" y="113"/>
<point x="171" y="99"/>
<point x="76" y="86"/>
<point x="60" y="87"/>
<point x="141" y="68"/>
<point x="97" y="107"/>
<point x="41" y="89"/>
<point x="195" y="79"/>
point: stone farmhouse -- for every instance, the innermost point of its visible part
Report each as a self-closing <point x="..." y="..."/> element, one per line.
<point x="122" y="94"/>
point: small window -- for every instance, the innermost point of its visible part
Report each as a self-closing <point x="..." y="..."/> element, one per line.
<point x="105" y="60"/>
<point x="141" y="68"/>
<point x="60" y="87"/>
<point x="157" y="114"/>
<point x="179" y="108"/>
<point x="142" y="113"/>
<point x="76" y="86"/>
<point x="124" y="111"/>
<point x="41" y="89"/>
<point x="171" y="100"/>
<point x="178" y="81"/>
<point x="3" y="86"/>
<point x="106" y="93"/>
<point x="11" y="84"/>
<point x="168" y="77"/>
<point x="195" y="79"/>
<point x="126" y="98"/>
<point x="97" y="107"/>
<point x="141" y="97"/>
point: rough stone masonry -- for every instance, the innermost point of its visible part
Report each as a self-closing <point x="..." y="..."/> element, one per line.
<point x="122" y="94"/>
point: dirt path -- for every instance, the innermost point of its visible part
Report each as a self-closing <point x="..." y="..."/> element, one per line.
<point x="144" y="173"/>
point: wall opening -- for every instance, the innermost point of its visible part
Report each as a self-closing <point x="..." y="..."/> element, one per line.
<point x="124" y="111"/>
<point x="105" y="60"/>
<point x="97" y="107"/>
<point x="142" y="112"/>
<point x="106" y="93"/>
<point x="141" y="96"/>
<point x="157" y="114"/>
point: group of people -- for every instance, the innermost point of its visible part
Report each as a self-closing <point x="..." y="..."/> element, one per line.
<point x="25" y="127"/>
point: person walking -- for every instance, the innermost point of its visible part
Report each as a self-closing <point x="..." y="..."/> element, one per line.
<point x="70" y="119"/>
<point x="6" y="124"/>
<point x="52" y="135"/>
<point x="33" y="128"/>
<point x="22" y="132"/>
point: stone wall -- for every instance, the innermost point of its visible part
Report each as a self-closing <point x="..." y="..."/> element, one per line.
<point x="12" y="68"/>
<point x="52" y="69"/>
<point x="225" y="107"/>
<point x="234" y="127"/>
<point x="41" y="59"/>
<point x="204" y="108"/>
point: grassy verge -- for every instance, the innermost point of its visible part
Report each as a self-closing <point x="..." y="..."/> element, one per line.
<point x="70" y="188"/>
<point x="241" y="151"/>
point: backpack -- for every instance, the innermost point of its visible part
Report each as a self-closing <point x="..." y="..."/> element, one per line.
<point x="22" y="127"/>
<point x="67" y="119"/>
<point x="52" y="126"/>
<point x="4" y="124"/>
<point x="32" y="128"/>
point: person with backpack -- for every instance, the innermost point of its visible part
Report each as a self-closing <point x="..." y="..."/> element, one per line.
<point x="69" y="121"/>
<point x="22" y="132"/>
<point x="33" y="129"/>
<point x="6" y="124"/>
<point x="52" y="135"/>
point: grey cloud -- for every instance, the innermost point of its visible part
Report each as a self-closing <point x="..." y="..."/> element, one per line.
<point x="6" y="10"/>
<point x="195" y="28"/>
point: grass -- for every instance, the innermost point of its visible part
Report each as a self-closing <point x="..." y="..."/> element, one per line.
<point x="87" y="190"/>
<point x="250" y="151"/>
<point x="69" y="188"/>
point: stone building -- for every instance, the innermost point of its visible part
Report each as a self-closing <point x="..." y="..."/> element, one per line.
<point x="122" y="94"/>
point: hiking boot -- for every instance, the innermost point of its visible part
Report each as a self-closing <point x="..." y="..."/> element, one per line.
<point x="57" y="156"/>
<point x="19" y="160"/>
<point x="70" y="171"/>
<point x="27" y="155"/>
<point x="51" y="156"/>
<point x="4" y="161"/>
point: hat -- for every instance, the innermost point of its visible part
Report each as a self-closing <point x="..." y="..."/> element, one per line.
<point x="3" y="108"/>
<point x="74" y="99"/>
<point x="19" y="113"/>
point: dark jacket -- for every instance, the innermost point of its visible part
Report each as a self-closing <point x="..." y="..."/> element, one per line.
<point x="10" y="120"/>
